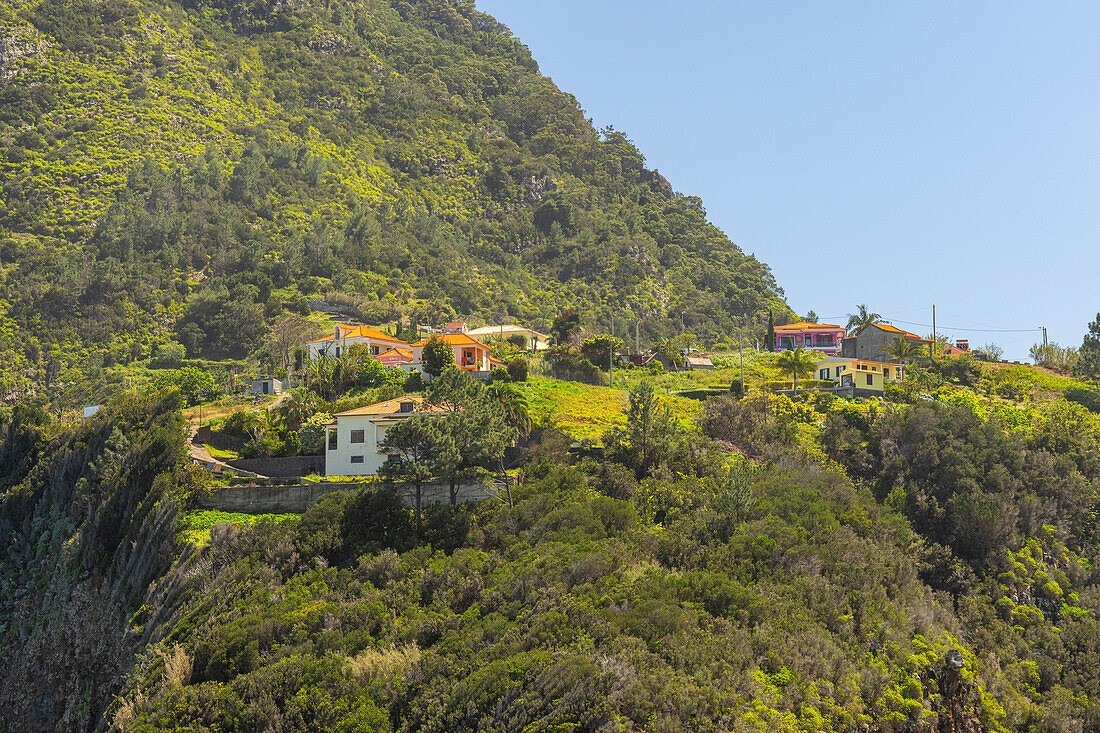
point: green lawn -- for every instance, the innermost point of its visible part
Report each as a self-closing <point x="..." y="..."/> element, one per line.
<point x="224" y="455"/>
<point x="581" y="410"/>
<point x="199" y="522"/>
<point x="587" y="411"/>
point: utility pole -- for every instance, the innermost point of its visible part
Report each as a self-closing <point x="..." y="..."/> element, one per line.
<point x="1044" y="336"/>
<point x="932" y="352"/>
<point x="611" y="355"/>
<point x="637" y="335"/>
<point x="741" y="354"/>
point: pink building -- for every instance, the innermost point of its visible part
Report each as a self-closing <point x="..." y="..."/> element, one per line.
<point x="824" y="338"/>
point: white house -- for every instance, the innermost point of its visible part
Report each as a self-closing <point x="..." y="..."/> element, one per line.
<point x="532" y="338"/>
<point x="353" y="441"/>
<point x="345" y="336"/>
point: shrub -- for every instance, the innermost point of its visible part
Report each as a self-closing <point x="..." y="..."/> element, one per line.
<point x="414" y="382"/>
<point x="964" y="370"/>
<point x="311" y="436"/>
<point x="566" y="362"/>
<point x="1088" y="397"/>
<point x="499" y="374"/>
<point x="518" y="369"/>
<point x="168" y="355"/>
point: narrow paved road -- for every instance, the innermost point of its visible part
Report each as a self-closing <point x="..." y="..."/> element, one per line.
<point x="202" y="456"/>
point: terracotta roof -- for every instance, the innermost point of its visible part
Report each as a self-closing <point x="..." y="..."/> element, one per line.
<point x="391" y="407"/>
<point x="700" y="361"/>
<point x="456" y="324"/>
<point x="908" y="334"/>
<point x="347" y="331"/>
<point x="397" y="353"/>
<point x="807" y="326"/>
<point x="453" y="339"/>
<point x="844" y="360"/>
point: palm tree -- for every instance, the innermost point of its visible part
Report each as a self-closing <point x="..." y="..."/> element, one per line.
<point x="904" y="350"/>
<point x="798" y="362"/>
<point x="857" y="321"/>
<point x="297" y="407"/>
<point x="511" y="404"/>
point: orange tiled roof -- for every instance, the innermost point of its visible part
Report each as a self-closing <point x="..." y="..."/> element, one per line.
<point x="392" y="407"/>
<point x="846" y="360"/>
<point x="454" y="339"/>
<point x="907" y="334"/>
<point x="361" y="332"/>
<point x="807" y="326"/>
<point x="382" y="408"/>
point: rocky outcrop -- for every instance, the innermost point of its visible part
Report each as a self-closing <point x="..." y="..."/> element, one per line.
<point x="959" y="699"/>
<point x="16" y="44"/>
<point x="658" y="184"/>
<point x="538" y="186"/>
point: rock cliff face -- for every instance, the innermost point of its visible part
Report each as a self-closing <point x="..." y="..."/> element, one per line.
<point x="960" y="706"/>
<point x="18" y="44"/>
<point x="86" y="527"/>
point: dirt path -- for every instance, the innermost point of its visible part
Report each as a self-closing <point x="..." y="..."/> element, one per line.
<point x="199" y="453"/>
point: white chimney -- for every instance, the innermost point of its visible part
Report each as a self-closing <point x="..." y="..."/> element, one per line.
<point x="336" y="331"/>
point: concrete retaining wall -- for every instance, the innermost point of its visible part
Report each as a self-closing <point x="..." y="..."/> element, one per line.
<point x="251" y="499"/>
<point x="290" y="466"/>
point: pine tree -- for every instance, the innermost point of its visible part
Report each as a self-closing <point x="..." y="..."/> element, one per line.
<point x="1088" y="364"/>
<point x="769" y="338"/>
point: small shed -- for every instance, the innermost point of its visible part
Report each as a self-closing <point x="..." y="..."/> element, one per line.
<point x="262" y="386"/>
<point x="694" y="363"/>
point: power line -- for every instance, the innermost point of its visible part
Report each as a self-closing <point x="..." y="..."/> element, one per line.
<point x="970" y="330"/>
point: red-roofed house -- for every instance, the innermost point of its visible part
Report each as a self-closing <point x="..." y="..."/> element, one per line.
<point x="345" y="336"/>
<point x="823" y="338"/>
<point x="456" y="327"/>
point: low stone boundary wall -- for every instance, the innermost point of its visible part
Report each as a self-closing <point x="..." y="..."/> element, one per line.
<point x="292" y="466"/>
<point x="258" y="499"/>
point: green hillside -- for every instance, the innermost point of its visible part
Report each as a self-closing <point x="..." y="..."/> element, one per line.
<point x="822" y="580"/>
<point x="191" y="172"/>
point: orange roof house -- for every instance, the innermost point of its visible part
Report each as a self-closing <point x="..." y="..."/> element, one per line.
<point x="355" y="441"/>
<point x="396" y="356"/>
<point x="344" y="336"/>
<point x="470" y="354"/>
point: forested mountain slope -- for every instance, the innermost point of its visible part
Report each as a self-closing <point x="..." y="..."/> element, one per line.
<point x="189" y="171"/>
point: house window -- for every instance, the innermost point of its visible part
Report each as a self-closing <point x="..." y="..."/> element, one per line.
<point x="338" y="352"/>
<point x="786" y="342"/>
<point x="886" y="371"/>
<point x="332" y="439"/>
<point x="406" y="407"/>
<point x="870" y="379"/>
<point x="357" y="436"/>
<point x="357" y="459"/>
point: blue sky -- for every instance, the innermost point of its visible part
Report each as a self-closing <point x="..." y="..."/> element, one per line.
<point x="894" y="154"/>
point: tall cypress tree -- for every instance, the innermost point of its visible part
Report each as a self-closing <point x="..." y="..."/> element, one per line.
<point x="769" y="338"/>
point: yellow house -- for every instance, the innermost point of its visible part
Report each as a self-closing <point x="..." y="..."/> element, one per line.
<point x="866" y="378"/>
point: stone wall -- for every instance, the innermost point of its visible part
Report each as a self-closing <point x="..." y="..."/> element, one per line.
<point x="291" y="466"/>
<point x="257" y="499"/>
